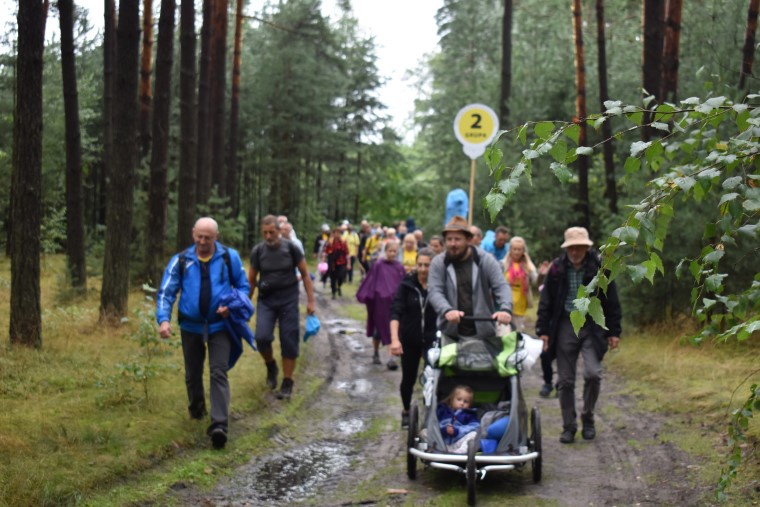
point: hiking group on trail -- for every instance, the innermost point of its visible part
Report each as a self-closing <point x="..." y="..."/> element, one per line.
<point x="411" y="288"/>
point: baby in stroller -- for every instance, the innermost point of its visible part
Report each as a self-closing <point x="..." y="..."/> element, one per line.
<point x="458" y="422"/>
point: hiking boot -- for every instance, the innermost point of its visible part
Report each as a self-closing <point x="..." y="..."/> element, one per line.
<point x="376" y="359"/>
<point x="286" y="389"/>
<point x="218" y="437"/>
<point x="392" y="365"/>
<point x="567" y="437"/>
<point x="546" y="390"/>
<point x="405" y="420"/>
<point x="588" y="432"/>
<point x="197" y="413"/>
<point x="272" y="372"/>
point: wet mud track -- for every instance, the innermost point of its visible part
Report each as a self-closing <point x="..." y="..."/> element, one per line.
<point x="353" y="440"/>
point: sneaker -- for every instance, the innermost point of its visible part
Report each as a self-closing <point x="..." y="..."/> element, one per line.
<point x="286" y="389"/>
<point x="588" y="432"/>
<point x="404" y="420"/>
<point x="376" y="359"/>
<point x="272" y="372"/>
<point x="392" y="365"/>
<point x="567" y="437"/>
<point x="218" y="437"/>
<point x="546" y="390"/>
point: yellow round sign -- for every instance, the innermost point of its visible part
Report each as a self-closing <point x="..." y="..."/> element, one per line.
<point x="475" y="126"/>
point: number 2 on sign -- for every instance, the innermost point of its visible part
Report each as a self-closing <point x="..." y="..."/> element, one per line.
<point x="476" y="125"/>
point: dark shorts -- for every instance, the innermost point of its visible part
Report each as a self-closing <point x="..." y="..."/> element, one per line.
<point x="279" y="306"/>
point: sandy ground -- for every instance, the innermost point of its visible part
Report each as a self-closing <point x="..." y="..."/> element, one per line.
<point x="355" y="441"/>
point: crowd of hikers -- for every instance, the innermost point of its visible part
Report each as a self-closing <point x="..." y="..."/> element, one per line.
<point x="411" y="285"/>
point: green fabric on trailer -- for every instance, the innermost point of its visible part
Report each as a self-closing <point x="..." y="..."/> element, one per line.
<point x="449" y="354"/>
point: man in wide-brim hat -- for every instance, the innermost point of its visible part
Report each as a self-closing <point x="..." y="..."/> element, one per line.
<point x="576" y="267"/>
<point x="466" y="281"/>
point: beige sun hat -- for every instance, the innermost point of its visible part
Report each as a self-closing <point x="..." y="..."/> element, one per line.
<point x="458" y="224"/>
<point x="576" y="236"/>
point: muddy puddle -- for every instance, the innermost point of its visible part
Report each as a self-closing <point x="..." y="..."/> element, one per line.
<point x="291" y="477"/>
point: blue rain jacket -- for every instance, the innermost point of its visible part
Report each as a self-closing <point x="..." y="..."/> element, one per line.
<point x="241" y="311"/>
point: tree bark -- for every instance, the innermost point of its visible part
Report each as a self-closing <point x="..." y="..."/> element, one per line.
<point x="204" y="125"/>
<point x="115" y="290"/>
<point x="580" y="111"/>
<point x="748" y="53"/>
<point x="146" y="68"/>
<point x="109" y="55"/>
<point x="26" y="182"/>
<point x="232" y="161"/>
<point x="653" y="27"/>
<point x="218" y="85"/>
<point x="74" y="191"/>
<point x="158" y="193"/>
<point x="670" y="51"/>
<point x="610" y="188"/>
<point x="187" y="195"/>
<point x="506" y="64"/>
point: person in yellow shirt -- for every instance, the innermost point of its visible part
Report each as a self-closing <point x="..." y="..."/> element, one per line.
<point x="372" y="247"/>
<point x="351" y="238"/>
<point x="408" y="254"/>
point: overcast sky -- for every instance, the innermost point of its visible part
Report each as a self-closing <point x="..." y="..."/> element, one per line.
<point x="404" y="31"/>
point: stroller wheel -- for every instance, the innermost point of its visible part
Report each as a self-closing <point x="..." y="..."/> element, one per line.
<point x="411" y="459"/>
<point x="535" y="425"/>
<point x="472" y="471"/>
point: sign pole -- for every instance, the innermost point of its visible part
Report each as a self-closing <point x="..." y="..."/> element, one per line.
<point x="472" y="189"/>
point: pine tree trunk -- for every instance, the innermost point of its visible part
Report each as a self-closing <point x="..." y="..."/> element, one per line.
<point x="158" y="193"/>
<point x="580" y="108"/>
<point x="506" y="64"/>
<point x="187" y="193"/>
<point x="204" y="125"/>
<point x="109" y="55"/>
<point x="26" y="184"/>
<point x="146" y="68"/>
<point x="232" y="160"/>
<point x="115" y="290"/>
<point x="653" y="21"/>
<point x="74" y="190"/>
<point x="218" y="84"/>
<point x="610" y="188"/>
<point x="670" y="51"/>
<point x="748" y="53"/>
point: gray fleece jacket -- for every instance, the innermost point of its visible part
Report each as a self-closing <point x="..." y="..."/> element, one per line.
<point x="490" y="291"/>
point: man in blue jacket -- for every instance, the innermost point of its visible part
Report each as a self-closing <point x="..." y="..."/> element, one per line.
<point x="203" y="274"/>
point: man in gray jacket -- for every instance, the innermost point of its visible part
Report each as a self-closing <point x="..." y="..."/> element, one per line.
<point x="466" y="281"/>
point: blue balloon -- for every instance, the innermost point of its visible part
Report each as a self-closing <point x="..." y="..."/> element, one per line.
<point x="457" y="203"/>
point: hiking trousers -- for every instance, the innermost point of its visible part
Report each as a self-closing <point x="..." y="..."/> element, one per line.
<point x="569" y="347"/>
<point x="194" y="351"/>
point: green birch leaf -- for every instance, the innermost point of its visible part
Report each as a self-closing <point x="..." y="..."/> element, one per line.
<point x="573" y="132"/>
<point x="713" y="257"/>
<point x="636" y="117"/>
<point x="650" y="269"/>
<point x="584" y="150"/>
<point x="733" y="182"/>
<point x="728" y="197"/>
<point x="493" y="156"/>
<point x="637" y="273"/>
<point x="522" y="134"/>
<point x="559" y="151"/>
<point x="577" y="319"/>
<point x="596" y="312"/>
<point x="544" y="129"/>
<point x="561" y="171"/>
<point x="714" y="283"/>
<point x="494" y="203"/>
<point x="751" y="204"/>
<point x="657" y="262"/>
<point x="632" y="164"/>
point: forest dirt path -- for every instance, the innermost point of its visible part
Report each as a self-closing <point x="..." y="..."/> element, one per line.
<point x="353" y="452"/>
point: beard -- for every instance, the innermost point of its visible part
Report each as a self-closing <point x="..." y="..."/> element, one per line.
<point x="458" y="257"/>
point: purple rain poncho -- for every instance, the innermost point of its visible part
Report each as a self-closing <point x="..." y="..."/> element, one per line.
<point x="377" y="291"/>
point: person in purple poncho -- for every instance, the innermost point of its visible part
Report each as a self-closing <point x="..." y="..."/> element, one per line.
<point x="377" y="291"/>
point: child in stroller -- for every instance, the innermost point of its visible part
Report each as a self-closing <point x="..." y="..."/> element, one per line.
<point x="457" y="420"/>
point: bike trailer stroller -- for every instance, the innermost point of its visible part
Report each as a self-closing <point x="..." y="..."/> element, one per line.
<point x="491" y="368"/>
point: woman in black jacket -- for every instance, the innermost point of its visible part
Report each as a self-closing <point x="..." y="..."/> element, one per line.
<point x="413" y="326"/>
